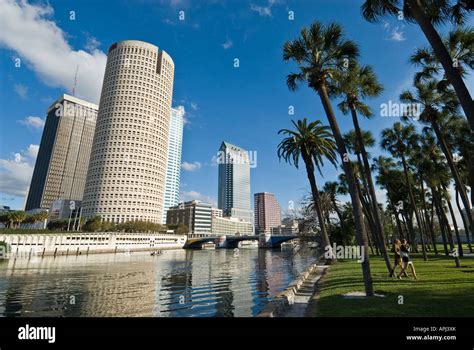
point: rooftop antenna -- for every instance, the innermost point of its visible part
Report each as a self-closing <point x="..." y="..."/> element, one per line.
<point x="75" y="82"/>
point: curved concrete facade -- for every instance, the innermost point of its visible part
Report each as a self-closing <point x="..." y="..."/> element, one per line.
<point x="127" y="168"/>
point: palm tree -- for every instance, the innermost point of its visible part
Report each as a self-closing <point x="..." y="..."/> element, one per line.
<point x="320" y="52"/>
<point x="16" y="218"/>
<point x="353" y="145"/>
<point x="435" y="173"/>
<point x="312" y="142"/>
<point x="356" y="84"/>
<point x="436" y="106"/>
<point x="385" y="167"/>
<point x="428" y="14"/>
<point x="351" y="140"/>
<point x="332" y="188"/>
<point x="398" y="140"/>
<point x="39" y="216"/>
<point x="464" y="221"/>
<point x="461" y="139"/>
<point x="430" y="166"/>
<point x="460" y="45"/>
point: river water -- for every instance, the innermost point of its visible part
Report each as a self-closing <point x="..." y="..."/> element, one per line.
<point x="178" y="283"/>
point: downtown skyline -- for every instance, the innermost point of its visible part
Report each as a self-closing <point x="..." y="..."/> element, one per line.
<point x="253" y="98"/>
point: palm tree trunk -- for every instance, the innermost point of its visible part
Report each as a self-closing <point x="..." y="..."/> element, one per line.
<point x="449" y="233"/>
<point x="470" y="172"/>
<point x="430" y="215"/>
<point x="455" y="224"/>
<point x="316" y="199"/>
<point x="427" y="218"/>
<point x="456" y="230"/>
<point x="446" y="221"/>
<point x="336" y="209"/>
<point x="397" y="219"/>
<point x="413" y="203"/>
<point x="371" y="246"/>
<point x="464" y="222"/>
<point x="356" y="206"/>
<point x="454" y="172"/>
<point x="399" y="226"/>
<point x="371" y="189"/>
<point x="445" y="59"/>
<point x="424" y="232"/>
<point x="370" y="220"/>
<point x="412" y="235"/>
<point x="408" y="231"/>
<point x="442" y="225"/>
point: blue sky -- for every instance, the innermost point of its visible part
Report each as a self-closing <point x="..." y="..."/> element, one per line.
<point x="245" y="106"/>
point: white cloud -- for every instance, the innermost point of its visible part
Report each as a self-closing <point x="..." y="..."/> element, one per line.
<point x="228" y="44"/>
<point x="191" y="166"/>
<point x="92" y="44"/>
<point x="169" y="22"/>
<point x="194" y="195"/>
<point x="188" y="111"/>
<point x="32" y="151"/>
<point x="214" y="160"/>
<point x="264" y="11"/>
<point x="177" y="2"/>
<point x="182" y="111"/>
<point x="395" y="33"/>
<point x="21" y="90"/>
<point x="28" y="30"/>
<point x="33" y="122"/>
<point x="16" y="172"/>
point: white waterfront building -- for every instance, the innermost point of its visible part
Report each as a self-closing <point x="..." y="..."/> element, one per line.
<point x="74" y="243"/>
<point x="127" y="168"/>
<point x="173" y="169"/>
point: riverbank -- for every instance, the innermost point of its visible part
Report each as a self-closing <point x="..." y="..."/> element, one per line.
<point x="298" y="298"/>
<point x="441" y="290"/>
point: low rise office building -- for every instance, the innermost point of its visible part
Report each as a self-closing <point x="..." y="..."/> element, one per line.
<point x="231" y="226"/>
<point x="287" y="227"/>
<point x="197" y="216"/>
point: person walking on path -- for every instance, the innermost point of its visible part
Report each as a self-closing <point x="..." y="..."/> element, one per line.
<point x="404" y="250"/>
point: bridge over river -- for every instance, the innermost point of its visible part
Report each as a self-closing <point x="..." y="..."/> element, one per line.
<point x="232" y="241"/>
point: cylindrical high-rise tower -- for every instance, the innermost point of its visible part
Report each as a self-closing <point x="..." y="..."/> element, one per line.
<point x="127" y="168"/>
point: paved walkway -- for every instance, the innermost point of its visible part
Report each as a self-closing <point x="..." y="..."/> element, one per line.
<point x="304" y="297"/>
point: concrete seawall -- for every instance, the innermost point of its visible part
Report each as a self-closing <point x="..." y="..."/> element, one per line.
<point x="281" y="303"/>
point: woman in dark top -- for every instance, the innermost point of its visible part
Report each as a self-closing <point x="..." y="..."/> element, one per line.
<point x="404" y="250"/>
<point x="398" y="258"/>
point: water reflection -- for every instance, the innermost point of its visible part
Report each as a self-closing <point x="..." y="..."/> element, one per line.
<point x="179" y="283"/>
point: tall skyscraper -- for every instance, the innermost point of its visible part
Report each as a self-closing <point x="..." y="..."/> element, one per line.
<point x="267" y="212"/>
<point x="173" y="169"/>
<point x="234" y="182"/>
<point x="127" y="168"/>
<point x="63" y="156"/>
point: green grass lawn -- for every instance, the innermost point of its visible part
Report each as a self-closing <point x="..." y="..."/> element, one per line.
<point x="440" y="247"/>
<point x="440" y="290"/>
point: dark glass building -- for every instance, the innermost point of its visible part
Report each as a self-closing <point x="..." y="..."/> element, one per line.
<point x="63" y="158"/>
